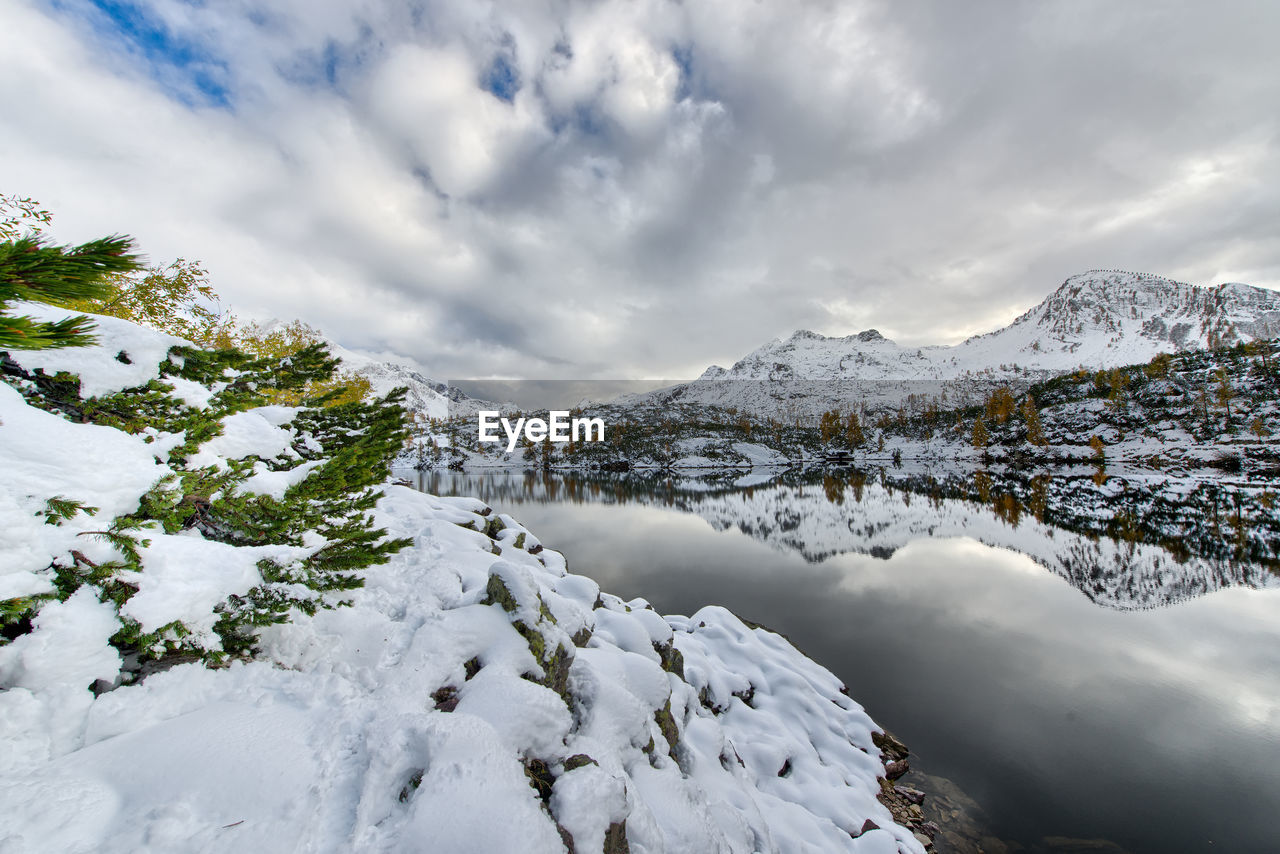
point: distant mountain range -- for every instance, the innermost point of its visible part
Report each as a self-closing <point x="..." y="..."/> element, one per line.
<point x="431" y="398"/>
<point x="1098" y="319"/>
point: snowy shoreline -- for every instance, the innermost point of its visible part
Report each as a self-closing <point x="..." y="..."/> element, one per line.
<point x="368" y="728"/>
<point x="471" y="694"/>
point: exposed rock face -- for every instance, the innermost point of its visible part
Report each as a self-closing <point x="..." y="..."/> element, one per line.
<point x="1114" y="306"/>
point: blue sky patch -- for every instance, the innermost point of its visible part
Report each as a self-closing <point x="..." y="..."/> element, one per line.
<point x="182" y="66"/>
<point x="502" y="79"/>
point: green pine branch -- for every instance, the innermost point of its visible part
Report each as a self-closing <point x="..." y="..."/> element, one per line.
<point x="31" y="270"/>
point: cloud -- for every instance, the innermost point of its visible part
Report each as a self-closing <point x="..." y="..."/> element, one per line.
<point x="572" y="189"/>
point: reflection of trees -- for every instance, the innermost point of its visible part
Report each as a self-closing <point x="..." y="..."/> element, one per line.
<point x="1133" y="543"/>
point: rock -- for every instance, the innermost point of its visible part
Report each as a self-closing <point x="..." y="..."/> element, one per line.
<point x="667" y="724"/>
<point x="102" y="686"/>
<point x="913" y="796"/>
<point x="411" y="786"/>
<point x="578" y="760"/>
<point x="894" y="770"/>
<point x="890" y="747"/>
<point x="446" y="698"/>
<point x="615" y="839"/>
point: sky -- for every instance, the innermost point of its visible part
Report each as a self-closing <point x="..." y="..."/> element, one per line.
<point x="552" y="189"/>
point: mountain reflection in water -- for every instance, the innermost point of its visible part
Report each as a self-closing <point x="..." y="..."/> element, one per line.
<point x="1116" y="556"/>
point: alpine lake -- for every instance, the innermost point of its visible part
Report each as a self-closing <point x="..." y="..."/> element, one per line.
<point x="1063" y="686"/>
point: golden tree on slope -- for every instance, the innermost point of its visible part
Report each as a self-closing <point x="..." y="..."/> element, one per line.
<point x="980" y="437"/>
<point x="287" y="339"/>
<point x="1031" y="415"/>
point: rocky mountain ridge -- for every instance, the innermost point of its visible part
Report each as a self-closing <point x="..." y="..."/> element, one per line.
<point x="1097" y="319"/>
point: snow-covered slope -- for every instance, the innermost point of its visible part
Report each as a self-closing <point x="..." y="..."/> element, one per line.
<point x="1097" y="319"/>
<point x="472" y="696"/>
<point x="431" y="398"/>
<point x="1105" y="318"/>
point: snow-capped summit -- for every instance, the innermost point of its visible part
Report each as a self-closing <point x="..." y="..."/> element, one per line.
<point x="1141" y="314"/>
<point x="432" y="398"/>
<point x="1098" y="319"/>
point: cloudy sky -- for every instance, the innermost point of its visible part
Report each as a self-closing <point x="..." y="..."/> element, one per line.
<point x="639" y="188"/>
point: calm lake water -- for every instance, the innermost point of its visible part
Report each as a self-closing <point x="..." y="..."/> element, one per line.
<point x="1112" y="702"/>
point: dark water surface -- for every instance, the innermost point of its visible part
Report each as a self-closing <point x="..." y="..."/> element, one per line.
<point x="1094" y="702"/>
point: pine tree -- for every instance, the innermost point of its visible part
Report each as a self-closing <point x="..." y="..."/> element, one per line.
<point x="177" y="299"/>
<point x="1118" y="380"/>
<point x="30" y="270"/>
<point x="351" y="447"/>
<point x="1158" y="367"/>
<point x="829" y="426"/>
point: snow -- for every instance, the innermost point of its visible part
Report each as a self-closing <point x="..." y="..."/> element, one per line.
<point x="43" y="455"/>
<point x="317" y="746"/>
<point x="186" y="576"/>
<point x="1099" y="319"/>
<point x="759" y="455"/>
<point x="100" y="371"/>
<point x="406" y="720"/>
<point x="68" y="647"/>
<point x="257" y="432"/>
<point x="334" y="739"/>
<point x="264" y="481"/>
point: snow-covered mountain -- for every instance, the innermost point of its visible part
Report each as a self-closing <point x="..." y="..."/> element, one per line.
<point x="1098" y="319"/>
<point x="432" y="398"/>
<point x="1104" y="318"/>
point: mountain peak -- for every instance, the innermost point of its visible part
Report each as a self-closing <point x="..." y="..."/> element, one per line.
<point x="1097" y="319"/>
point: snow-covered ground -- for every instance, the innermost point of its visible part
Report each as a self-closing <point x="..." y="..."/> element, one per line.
<point x="472" y="696"/>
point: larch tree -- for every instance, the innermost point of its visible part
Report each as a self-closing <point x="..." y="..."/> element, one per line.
<point x="980" y="437"/>
<point x="1031" y="415"/>
<point x="1224" y="392"/>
